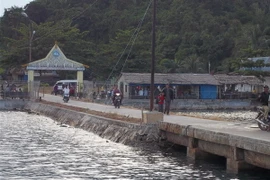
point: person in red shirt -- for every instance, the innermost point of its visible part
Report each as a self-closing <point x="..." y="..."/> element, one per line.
<point x="161" y="99"/>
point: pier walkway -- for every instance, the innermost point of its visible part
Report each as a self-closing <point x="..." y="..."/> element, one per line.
<point x="243" y="145"/>
<point x="235" y="128"/>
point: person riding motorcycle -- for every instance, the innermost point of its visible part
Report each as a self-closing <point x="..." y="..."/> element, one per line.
<point x="115" y="91"/>
<point x="264" y="99"/>
<point x="66" y="91"/>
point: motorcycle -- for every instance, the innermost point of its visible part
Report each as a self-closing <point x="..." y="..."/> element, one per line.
<point x="117" y="100"/>
<point x="66" y="98"/>
<point x="263" y="124"/>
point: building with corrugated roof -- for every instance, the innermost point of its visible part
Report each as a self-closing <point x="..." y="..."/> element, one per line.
<point x="265" y="60"/>
<point x="190" y="86"/>
<point x="239" y="86"/>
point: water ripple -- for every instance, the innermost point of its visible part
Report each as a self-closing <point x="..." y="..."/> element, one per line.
<point x="34" y="147"/>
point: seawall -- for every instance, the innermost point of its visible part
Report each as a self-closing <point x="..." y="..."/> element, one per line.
<point x="12" y="104"/>
<point x="114" y="130"/>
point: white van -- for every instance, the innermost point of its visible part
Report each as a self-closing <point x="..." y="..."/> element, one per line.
<point x="72" y="84"/>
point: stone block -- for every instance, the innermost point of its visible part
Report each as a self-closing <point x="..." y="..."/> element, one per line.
<point x="152" y="117"/>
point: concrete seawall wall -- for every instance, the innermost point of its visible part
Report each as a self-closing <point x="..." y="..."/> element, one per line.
<point x="117" y="131"/>
<point x="12" y="104"/>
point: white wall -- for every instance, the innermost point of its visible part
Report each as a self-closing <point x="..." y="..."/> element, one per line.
<point x="244" y="88"/>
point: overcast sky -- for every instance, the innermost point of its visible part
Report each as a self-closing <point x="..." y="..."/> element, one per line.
<point x="4" y="4"/>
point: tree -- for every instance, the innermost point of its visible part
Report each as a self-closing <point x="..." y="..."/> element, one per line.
<point x="193" y="64"/>
<point x="190" y="34"/>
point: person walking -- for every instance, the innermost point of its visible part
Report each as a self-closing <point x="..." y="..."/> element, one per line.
<point x="168" y="95"/>
<point x="160" y="102"/>
<point x="55" y="89"/>
<point x="264" y="99"/>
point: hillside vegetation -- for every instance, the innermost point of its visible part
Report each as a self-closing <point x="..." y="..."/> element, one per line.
<point x="192" y="36"/>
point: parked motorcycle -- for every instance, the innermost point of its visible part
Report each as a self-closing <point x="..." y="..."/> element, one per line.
<point x="66" y="98"/>
<point x="117" y="100"/>
<point x="264" y="124"/>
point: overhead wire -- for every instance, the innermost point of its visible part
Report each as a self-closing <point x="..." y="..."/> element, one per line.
<point x="81" y="13"/>
<point x="140" y="25"/>
<point x="132" y="39"/>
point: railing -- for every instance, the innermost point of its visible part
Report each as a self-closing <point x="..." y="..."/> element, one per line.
<point x="15" y="95"/>
<point x="19" y="90"/>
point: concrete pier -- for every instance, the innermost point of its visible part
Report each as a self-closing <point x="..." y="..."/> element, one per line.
<point x="243" y="147"/>
<point x="241" y="153"/>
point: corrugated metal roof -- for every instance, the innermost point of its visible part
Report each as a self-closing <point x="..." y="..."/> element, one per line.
<point x="265" y="59"/>
<point x="234" y="79"/>
<point x="267" y="81"/>
<point x="145" y="78"/>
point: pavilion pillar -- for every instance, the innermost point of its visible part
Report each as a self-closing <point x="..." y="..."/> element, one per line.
<point x="30" y="79"/>
<point x="80" y="81"/>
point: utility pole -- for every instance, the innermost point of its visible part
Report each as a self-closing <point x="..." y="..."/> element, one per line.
<point x="152" y="88"/>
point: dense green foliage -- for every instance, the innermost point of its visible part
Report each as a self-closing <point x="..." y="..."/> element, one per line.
<point x="110" y="34"/>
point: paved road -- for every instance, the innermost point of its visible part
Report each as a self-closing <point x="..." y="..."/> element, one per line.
<point x="244" y="129"/>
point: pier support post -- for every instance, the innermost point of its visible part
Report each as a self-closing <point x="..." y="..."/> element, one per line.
<point x="237" y="163"/>
<point x="193" y="151"/>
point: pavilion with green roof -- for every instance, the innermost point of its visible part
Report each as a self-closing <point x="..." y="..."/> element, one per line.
<point x="56" y="60"/>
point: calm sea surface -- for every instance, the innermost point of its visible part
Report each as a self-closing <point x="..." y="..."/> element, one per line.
<point x="36" y="147"/>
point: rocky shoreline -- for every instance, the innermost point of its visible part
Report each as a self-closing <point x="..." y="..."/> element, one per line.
<point x="234" y="116"/>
